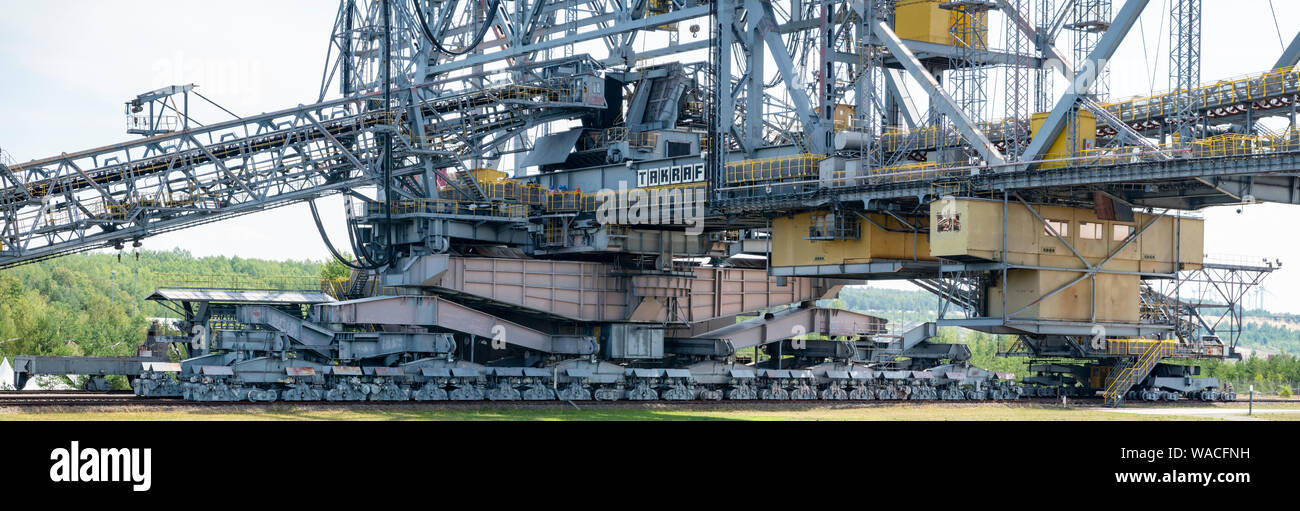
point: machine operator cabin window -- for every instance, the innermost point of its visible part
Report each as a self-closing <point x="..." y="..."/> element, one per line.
<point x="1121" y="232"/>
<point x="1089" y="231"/>
<point x="1061" y="227"/>
<point x="949" y="223"/>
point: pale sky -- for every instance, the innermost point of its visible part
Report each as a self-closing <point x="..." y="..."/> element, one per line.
<point x="67" y="67"/>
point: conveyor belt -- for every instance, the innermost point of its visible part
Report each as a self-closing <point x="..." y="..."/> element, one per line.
<point x="125" y="192"/>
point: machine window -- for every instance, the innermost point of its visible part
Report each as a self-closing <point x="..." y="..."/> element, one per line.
<point x="1089" y="231"/>
<point x="1062" y="227"/>
<point x="950" y="223"/>
<point x="1122" y="232"/>
<point x="676" y="149"/>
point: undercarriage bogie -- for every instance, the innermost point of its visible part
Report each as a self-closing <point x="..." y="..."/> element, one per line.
<point x="1165" y="382"/>
<point x="582" y="380"/>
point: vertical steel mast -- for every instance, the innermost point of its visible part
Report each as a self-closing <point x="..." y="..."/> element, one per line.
<point x="1184" y="65"/>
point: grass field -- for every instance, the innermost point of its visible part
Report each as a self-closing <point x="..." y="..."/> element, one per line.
<point x="652" y="412"/>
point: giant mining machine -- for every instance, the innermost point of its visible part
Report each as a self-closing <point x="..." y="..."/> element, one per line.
<point x="574" y="200"/>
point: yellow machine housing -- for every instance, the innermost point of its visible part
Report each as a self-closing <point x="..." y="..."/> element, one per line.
<point x="1086" y="139"/>
<point x="488" y="175"/>
<point x="970" y="230"/>
<point x="844" y="117"/>
<point x="791" y="246"/>
<point x="923" y="20"/>
<point x="1097" y="376"/>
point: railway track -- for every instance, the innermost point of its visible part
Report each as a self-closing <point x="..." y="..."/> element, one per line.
<point x="73" y="399"/>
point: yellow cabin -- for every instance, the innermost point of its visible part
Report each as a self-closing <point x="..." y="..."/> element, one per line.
<point x="1085" y="138"/>
<point x="970" y="230"/>
<point x="810" y="239"/>
<point x="924" y="20"/>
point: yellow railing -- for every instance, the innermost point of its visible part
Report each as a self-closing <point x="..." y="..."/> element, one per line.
<point x="564" y="201"/>
<point x="507" y="190"/>
<point x="956" y="189"/>
<point x="1228" y="144"/>
<point x="1222" y="93"/>
<point x="450" y="207"/>
<point x="638" y="140"/>
<point x="130" y="204"/>
<point x="553" y="232"/>
<point x="1136" y="347"/>
<point x="892" y="138"/>
<point x="533" y="194"/>
<point x="1151" y="352"/>
<point x="801" y="166"/>
<point x="340" y="288"/>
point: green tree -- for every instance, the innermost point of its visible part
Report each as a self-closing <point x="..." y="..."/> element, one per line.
<point x="335" y="270"/>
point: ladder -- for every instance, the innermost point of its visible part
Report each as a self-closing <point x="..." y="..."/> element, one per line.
<point x="1131" y="371"/>
<point x="358" y="286"/>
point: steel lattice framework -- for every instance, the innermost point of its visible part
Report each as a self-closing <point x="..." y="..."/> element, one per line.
<point x="1184" y="63"/>
<point x="471" y="86"/>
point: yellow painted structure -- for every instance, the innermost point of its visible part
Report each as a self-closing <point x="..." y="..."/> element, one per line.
<point x="971" y="230"/>
<point x="1097" y="376"/>
<point x="844" y="117"/>
<point x="488" y="175"/>
<point x="923" y="20"/>
<point x="790" y="246"/>
<point x="1086" y="138"/>
<point x="1117" y="296"/>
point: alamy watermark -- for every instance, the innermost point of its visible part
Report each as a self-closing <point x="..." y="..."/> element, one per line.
<point x="226" y="78"/>
<point x="89" y="465"/>
<point x="669" y="206"/>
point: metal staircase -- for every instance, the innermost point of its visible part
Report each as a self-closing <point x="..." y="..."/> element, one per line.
<point x="962" y="291"/>
<point x="470" y="186"/>
<point x="1130" y="371"/>
<point x="359" y="285"/>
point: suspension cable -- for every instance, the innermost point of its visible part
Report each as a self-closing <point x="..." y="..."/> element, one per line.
<point x="1280" y="41"/>
<point x="315" y="215"/>
<point x="478" y="38"/>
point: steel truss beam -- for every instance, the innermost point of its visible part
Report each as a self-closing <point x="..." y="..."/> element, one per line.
<point x="129" y="191"/>
<point x="1096" y="61"/>
<point x="973" y="135"/>
<point x="762" y="23"/>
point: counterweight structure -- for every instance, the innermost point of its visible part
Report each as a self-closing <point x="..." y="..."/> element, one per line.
<point x="569" y="200"/>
